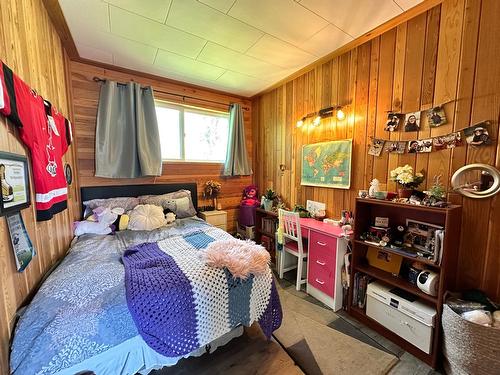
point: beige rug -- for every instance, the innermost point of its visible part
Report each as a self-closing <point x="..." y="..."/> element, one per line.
<point x="319" y="349"/>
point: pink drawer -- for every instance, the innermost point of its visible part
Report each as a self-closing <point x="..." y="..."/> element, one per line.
<point x="323" y="245"/>
<point x="321" y="275"/>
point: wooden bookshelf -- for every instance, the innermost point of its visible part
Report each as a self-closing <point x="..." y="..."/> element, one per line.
<point x="260" y="215"/>
<point x="403" y="254"/>
<point x="450" y="219"/>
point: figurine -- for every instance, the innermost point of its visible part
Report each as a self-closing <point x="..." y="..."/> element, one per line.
<point x="374" y="187"/>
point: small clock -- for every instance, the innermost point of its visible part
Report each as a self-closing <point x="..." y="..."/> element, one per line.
<point x="68" y="174"/>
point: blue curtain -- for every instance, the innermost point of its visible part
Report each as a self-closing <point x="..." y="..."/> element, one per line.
<point x="127" y="142"/>
<point x="237" y="163"/>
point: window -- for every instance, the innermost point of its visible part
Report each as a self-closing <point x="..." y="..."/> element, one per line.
<point x="192" y="134"/>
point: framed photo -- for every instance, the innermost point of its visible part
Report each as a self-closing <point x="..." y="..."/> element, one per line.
<point x="436" y="117"/>
<point x="478" y="134"/>
<point x="396" y="147"/>
<point x="15" y="181"/>
<point x="21" y="243"/>
<point x="393" y="120"/>
<point x="420" y="146"/>
<point x="412" y="122"/>
<point x="447" y="141"/>
<point x="421" y="236"/>
<point x="327" y="164"/>
<point x="376" y="147"/>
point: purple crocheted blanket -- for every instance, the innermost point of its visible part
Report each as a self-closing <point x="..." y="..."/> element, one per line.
<point x="180" y="304"/>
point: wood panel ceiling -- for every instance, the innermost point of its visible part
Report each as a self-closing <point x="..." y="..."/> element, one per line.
<point x="237" y="46"/>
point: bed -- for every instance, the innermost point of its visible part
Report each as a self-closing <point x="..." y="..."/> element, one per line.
<point x="84" y="316"/>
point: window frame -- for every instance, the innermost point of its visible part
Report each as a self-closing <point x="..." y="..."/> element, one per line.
<point x="181" y="108"/>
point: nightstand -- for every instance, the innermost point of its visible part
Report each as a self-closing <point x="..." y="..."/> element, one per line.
<point x="216" y="218"/>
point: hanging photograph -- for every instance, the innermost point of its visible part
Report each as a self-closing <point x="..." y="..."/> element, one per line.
<point x="376" y="147"/>
<point x="420" y="146"/>
<point x="397" y="147"/>
<point x="412" y="122"/>
<point x="393" y="120"/>
<point x="447" y="141"/>
<point x="327" y="164"/>
<point x="21" y="243"/>
<point x="478" y="135"/>
<point x="14" y="177"/>
<point x="436" y="117"/>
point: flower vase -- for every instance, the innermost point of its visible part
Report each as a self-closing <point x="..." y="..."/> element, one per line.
<point x="268" y="204"/>
<point x="214" y="202"/>
<point x="404" y="192"/>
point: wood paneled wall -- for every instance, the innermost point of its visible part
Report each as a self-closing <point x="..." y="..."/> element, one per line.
<point x="31" y="47"/>
<point x="85" y="102"/>
<point x="449" y="54"/>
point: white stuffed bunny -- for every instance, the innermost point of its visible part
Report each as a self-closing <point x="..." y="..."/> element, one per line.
<point x="374" y="187"/>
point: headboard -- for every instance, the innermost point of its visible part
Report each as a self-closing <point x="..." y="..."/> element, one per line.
<point x="96" y="192"/>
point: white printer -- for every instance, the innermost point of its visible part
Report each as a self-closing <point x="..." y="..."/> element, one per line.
<point x="402" y="313"/>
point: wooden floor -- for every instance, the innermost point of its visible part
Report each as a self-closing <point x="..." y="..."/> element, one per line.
<point x="251" y="353"/>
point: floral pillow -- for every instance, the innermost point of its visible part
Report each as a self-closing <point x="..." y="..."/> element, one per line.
<point x="147" y="217"/>
<point x="126" y="203"/>
<point x="179" y="202"/>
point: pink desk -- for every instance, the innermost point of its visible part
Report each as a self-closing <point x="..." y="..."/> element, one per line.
<point x="326" y="249"/>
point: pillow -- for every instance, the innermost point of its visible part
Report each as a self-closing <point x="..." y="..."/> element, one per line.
<point x="178" y="202"/>
<point x="127" y="203"/>
<point x="146" y="217"/>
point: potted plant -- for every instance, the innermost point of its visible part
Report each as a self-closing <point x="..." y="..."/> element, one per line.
<point x="269" y="198"/>
<point x="406" y="180"/>
<point x="212" y="191"/>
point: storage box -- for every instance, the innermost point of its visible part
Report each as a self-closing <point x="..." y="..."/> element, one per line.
<point x="406" y="317"/>
<point x="384" y="260"/>
<point x="246" y="232"/>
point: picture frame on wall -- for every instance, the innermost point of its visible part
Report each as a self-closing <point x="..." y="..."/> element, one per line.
<point x="327" y="164"/>
<point x="15" y="183"/>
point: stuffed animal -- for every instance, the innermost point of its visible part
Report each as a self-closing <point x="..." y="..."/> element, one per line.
<point x="374" y="187"/>
<point x="250" y="194"/>
<point x="100" y="222"/>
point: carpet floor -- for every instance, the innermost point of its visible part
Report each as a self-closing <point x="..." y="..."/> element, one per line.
<point x="318" y="349"/>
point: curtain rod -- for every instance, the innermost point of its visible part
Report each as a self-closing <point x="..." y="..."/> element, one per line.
<point x="97" y="79"/>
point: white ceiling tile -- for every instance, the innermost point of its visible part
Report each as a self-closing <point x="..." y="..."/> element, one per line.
<point x="94" y="54"/>
<point x="230" y="81"/>
<point x="407" y="4"/>
<point x="277" y="52"/>
<point x="186" y="66"/>
<point x="143" y="30"/>
<point x="95" y="15"/>
<point x="327" y="40"/>
<point x="284" y="19"/>
<point x="199" y="19"/>
<point x="235" y="61"/>
<point x="222" y="5"/>
<point x="120" y="47"/>
<point x="153" y="9"/>
<point x="354" y="17"/>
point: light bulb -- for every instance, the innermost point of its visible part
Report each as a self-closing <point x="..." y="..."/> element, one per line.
<point x="340" y="115"/>
<point x="300" y="123"/>
<point x="317" y="121"/>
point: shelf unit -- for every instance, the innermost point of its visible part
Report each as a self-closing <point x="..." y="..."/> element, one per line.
<point x="450" y="219"/>
<point x="260" y="214"/>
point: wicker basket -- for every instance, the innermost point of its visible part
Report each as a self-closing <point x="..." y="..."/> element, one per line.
<point x="469" y="348"/>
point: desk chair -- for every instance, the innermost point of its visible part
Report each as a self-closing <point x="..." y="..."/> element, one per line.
<point x="292" y="244"/>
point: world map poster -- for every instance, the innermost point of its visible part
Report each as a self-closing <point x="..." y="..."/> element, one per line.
<point x="327" y="164"/>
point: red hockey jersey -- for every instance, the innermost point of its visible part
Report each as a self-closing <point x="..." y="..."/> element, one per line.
<point x="47" y="134"/>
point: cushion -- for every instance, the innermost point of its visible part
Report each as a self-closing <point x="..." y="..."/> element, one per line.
<point x="146" y="217"/>
<point x="179" y="202"/>
<point x="126" y="203"/>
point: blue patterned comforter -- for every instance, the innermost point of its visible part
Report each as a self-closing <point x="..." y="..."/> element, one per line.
<point x="79" y="319"/>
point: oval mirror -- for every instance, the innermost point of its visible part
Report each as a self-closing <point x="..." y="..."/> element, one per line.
<point x="476" y="181"/>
